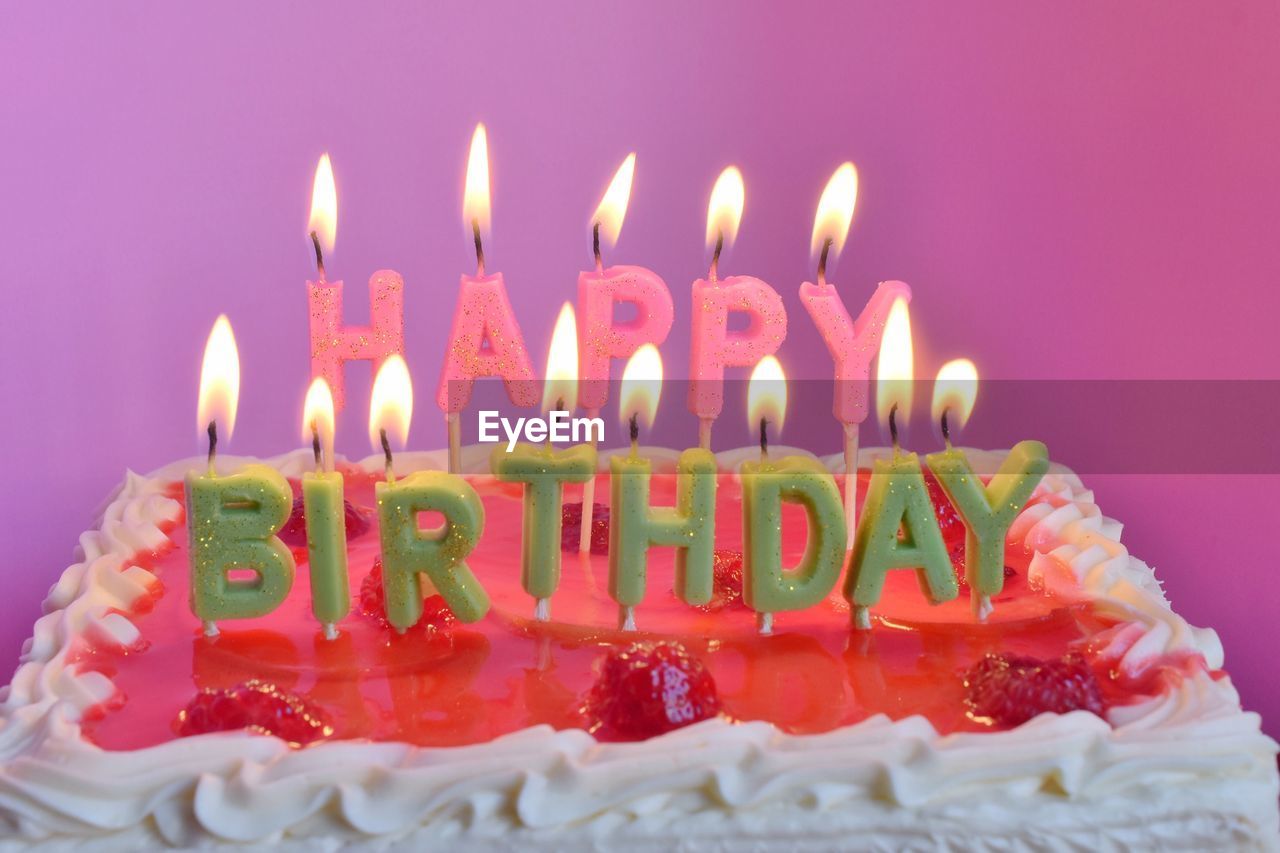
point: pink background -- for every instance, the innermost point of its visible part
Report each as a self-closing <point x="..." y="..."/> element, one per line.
<point x="1073" y="190"/>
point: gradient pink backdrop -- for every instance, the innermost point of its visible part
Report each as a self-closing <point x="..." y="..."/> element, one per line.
<point x="1073" y="190"/>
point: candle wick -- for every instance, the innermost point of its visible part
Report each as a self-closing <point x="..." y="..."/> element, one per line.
<point x="315" y="447"/>
<point x="315" y="241"/>
<point x="715" y="257"/>
<point x="946" y="429"/>
<point x="386" y="452"/>
<point x="893" y="428"/>
<point x="213" y="444"/>
<point x="475" y="231"/>
<point x="764" y="439"/>
<point x="634" y="429"/>
<point x="560" y="404"/>
<point x="595" y="246"/>
<point x="822" y="263"/>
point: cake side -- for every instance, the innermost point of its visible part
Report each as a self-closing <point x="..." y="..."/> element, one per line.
<point x="1200" y="765"/>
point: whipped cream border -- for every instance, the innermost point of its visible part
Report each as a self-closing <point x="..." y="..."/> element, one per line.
<point x="717" y="777"/>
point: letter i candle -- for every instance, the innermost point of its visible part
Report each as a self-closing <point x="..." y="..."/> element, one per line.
<point x="325" y="514"/>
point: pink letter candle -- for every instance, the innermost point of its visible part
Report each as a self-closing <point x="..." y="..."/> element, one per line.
<point x="852" y="343"/>
<point x="601" y="338"/>
<point x="713" y="346"/>
<point x="484" y="339"/>
<point x="333" y="344"/>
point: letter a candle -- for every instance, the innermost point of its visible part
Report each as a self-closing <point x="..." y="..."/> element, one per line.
<point x="897" y="499"/>
<point x="852" y="343"/>
<point x="232" y="521"/>
<point x="408" y="551"/>
<point x="713" y="347"/>
<point x="332" y="343"/>
<point x="634" y="526"/>
<point x="768" y="587"/>
<point x="600" y="338"/>
<point x="484" y="339"/>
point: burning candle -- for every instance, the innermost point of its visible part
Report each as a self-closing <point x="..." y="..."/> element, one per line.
<point x="852" y="343"/>
<point x="713" y="347"/>
<point x="232" y="521"/>
<point x="325" y="514"/>
<point x="601" y="338"/>
<point x="988" y="509"/>
<point x="768" y="588"/>
<point x="408" y="552"/>
<point x="332" y="343"/>
<point x="635" y="526"/>
<point x="485" y="339"/>
<point x="544" y="472"/>
<point x="897" y="498"/>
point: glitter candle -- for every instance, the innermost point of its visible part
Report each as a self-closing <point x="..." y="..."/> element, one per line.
<point x="484" y="338"/>
<point x="601" y="338"/>
<point x="232" y="521"/>
<point x="333" y="343"/>
<point x="851" y="343"/>
<point x="713" y="346"/>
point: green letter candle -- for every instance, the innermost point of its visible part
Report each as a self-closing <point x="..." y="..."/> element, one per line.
<point x="897" y="500"/>
<point x="634" y="526"/>
<point x="408" y="550"/>
<point x="988" y="510"/>
<point x="232" y="522"/>
<point x="544" y="471"/>
<point x="766" y="484"/>
<point x="323" y="508"/>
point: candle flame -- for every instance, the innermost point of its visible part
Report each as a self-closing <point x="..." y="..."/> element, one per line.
<point x="391" y="404"/>
<point x="955" y="391"/>
<point x="317" y="412"/>
<point x="767" y="394"/>
<point x="219" y="380"/>
<point x="562" y="363"/>
<point x="613" y="206"/>
<point x="324" y="206"/>
<point x="641" y="386"/>
<point x="475" y="198"/>
<point x="894" y="366"/>
<point x="724" y="212"/>
<point x="835" y="211"/>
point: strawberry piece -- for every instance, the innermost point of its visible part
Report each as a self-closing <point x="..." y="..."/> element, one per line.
<point x="294" y="532"/>
<point x="650" y="688"/>
<point x="726" y="593"/>
<point x="960" y="565"/>
<point x="949" y="521"/>
<point x="436" y="614"/>
<point x="571" y="527"/>
<point x="258" y="706"/>
<point x="1008" y="690"/>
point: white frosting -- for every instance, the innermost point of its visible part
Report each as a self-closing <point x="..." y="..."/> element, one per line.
<point x="1187" y="769"/>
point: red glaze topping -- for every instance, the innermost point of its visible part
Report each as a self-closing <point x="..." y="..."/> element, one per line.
<point x="571" y="527"/>
<point x="373" y="603"/>
<point x="474" y="682"/>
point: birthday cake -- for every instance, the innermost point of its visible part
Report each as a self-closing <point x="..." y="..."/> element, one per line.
<point x="1083" y="713"/>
